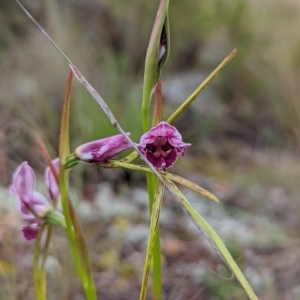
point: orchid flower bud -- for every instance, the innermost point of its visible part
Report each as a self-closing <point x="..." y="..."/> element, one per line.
<point x="103" y="149"/>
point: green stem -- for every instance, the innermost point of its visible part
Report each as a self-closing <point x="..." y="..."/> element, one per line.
<point x="47" y="244"/>
<point x="151" y="186"/>
<point x="85" y="260"/>
<point x="150" y="80"/>
<point x="39" y="273"/>
<point x="70" y="229"/>
<point x="154" y="221"/>
<point x="74" y="231"/>
<point x="76" y="241"/>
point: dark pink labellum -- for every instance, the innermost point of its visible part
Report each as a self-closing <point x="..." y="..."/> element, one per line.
<point x="30" y="231"/>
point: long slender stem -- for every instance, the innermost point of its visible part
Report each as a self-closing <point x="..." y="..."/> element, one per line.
<point x="85" y="260"/>
<point x="70" y="228"/>
<point x="150" y="80"/>
<point x="47" y="244"/>
<point x="74" y="231"/>
<point x="80" y="261"/>
<point x="151" y="186"/>
<point x="154" y="221"/>
<point x="39" y="272"/>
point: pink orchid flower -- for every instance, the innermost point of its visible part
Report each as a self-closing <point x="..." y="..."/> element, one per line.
<point x="162" y="144"/>
<point x="29" y="200"/>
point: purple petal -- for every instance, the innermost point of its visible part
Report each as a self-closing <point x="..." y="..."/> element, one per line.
<point x="181" y="151"/>
<point x="23" y="182"/>
<point x="170" y="159"/>
<point x="167" y="130"/>
<point x="157" y="162"/>
<point x="30" y="232"/>
<point x="179" y="145"/>
<point x="162" y="162"/>
<point x="162" y="129"/>
<point x="103" y="149"/>
<point x="50" y="181"/>
<point x="142" y="148"/>
<point x="38" y="203"/>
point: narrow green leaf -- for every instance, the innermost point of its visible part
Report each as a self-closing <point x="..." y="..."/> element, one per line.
<point x="64" y="151"/>
<point x="64" y="145"/>
<point x="130" y="157"/>
<point x="191" y="185"/>
<point x="201" y="87"/>
<point x="156" y="208"/>
<point x="183" y="181"/>
<point x="213" y="239"/>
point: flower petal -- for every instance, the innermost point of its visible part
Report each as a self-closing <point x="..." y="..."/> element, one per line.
<point x="103" y="149"/>
<point x="38" y="203"/>
<point x="179" y="145"/>
<point x="167" y="130"/>
<point x="50" y="181"/>
<point x="30" y="231"/>
<point x="23" y="182"/>
<point x="170" y="159"/>
<point x="157" y="162"/>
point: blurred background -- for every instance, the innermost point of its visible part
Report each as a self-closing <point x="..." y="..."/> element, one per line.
<point x="244" y="129"/>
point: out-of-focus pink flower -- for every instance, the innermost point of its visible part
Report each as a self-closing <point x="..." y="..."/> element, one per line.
<point x="161" y="145"/>
<point x="102" y="150"/>
<point x="23" y="182"/>
<point x="29" y="200"/>
<point x="41" y="206"/>
<point x="50" y="181"/>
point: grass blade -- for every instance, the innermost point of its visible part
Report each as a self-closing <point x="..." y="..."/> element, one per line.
<point x="213" y="239"/>
<point x="201" y="87"/>
<point x="156" y="208"/>
<point x="191" y="185"/>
